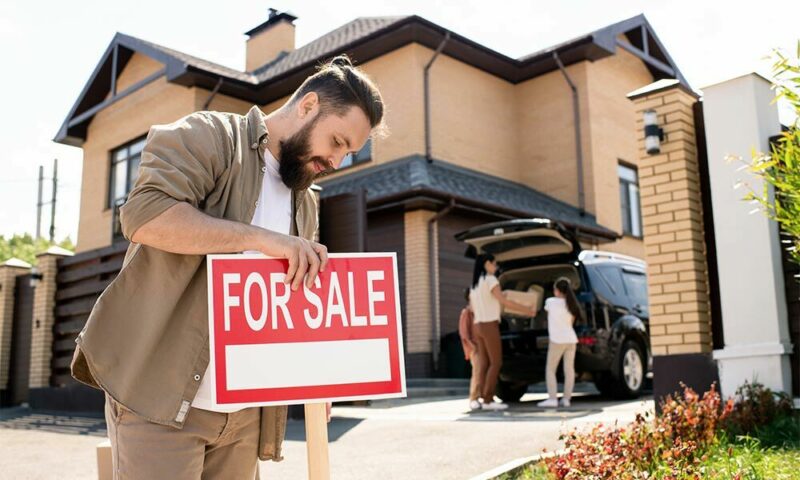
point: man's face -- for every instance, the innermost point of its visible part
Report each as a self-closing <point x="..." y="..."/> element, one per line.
<point x="320" y="144"/>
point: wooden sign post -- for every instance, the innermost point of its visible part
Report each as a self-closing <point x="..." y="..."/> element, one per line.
<point x="317" y="442"/>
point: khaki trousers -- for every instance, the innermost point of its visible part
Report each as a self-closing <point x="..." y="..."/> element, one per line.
<point x="554" y="353"/>
<point x="211" y="445"/>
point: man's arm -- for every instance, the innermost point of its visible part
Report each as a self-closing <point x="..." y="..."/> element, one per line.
<point x="185" y="230"/>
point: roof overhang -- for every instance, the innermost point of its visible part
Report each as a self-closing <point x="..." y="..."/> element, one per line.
<point x="182" y="70"/>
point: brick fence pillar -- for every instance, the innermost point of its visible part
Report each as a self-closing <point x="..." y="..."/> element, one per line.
<point x="9" y="271"/>
<point x="672" y="215"/>
<point x="44" y="302"/>
<point x="417" y="317"/>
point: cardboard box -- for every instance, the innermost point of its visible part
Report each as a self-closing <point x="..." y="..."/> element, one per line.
<point x="533" y="296"/>
<point x="105" y="467"/>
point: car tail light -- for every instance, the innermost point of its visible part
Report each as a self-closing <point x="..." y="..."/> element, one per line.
<point x="589" y="341"/>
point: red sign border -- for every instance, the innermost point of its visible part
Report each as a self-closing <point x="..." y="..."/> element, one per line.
<point x="401" y="350"/>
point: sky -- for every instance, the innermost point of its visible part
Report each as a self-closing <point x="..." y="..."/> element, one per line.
<point x="49" y="49"/>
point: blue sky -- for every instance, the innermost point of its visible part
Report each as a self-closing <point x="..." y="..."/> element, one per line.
<point x="49" y="49"/>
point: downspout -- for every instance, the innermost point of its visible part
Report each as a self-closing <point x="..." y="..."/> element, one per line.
<point x="427" y="97"/>
<point x="577" y="118"/>
<point x="434" y="288"/>
<point x="213" y="94"/>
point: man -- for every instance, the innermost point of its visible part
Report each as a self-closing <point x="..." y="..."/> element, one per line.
<point x="211" y="183"/>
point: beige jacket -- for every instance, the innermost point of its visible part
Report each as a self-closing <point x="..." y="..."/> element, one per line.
<point x="146" y="340"/>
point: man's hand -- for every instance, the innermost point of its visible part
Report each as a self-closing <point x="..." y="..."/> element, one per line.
<point x="185" y="230"/>
<point x="305" y="257"/>
<point x="328" y="412"/>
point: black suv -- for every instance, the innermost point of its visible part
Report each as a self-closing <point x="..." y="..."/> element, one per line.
<point x="613" y="339"/>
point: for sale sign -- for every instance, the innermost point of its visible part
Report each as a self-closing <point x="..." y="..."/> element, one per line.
<point x="338" y="340"/>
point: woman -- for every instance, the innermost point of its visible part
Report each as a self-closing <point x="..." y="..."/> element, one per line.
<point x="466" y="330"/>
<point x="486" y="300"/>
<point x="562" y="311"/>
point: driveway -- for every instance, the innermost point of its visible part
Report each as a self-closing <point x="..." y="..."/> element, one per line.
<point x="430" y="438"/>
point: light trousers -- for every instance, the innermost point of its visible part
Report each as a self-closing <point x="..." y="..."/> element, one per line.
<point x="211" y="445"/>
<point x="555" y="351"/>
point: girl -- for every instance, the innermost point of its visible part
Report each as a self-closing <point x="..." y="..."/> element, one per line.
<point x="466" y="330"/>
<point x="486" y="300"/>
<point x="562" y="311"/>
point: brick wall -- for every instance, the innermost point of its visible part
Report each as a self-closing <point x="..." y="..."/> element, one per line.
<point x="8" y="279"/>
<point x="44" y="299"/>
<point x="418" y="293"/>
<point x="673" y="226"/>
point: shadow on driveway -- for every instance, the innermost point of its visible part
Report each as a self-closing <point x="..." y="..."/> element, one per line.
<point x="22" y="418"/>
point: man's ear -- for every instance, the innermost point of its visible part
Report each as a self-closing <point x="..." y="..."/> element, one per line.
<point x="308" y="104"/>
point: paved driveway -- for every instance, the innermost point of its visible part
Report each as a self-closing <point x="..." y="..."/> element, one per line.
<point x="433" y="438"/>
<point x="439" y="439"/>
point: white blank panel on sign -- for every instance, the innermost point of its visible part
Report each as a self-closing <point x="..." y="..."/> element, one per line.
<point x="330" y="363"/>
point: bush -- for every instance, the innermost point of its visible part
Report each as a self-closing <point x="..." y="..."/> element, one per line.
<point x="780" y="169"/>
<point x="670" y="445"/>
<point x="691" y="437"/>
<point x="756" y="406"/>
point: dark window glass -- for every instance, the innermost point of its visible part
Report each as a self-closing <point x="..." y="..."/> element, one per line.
<point x="629" y="200"/>
<point x="636" y="286"/>
<point x="124" y="172"/>
<point x="599" y="284"/>
<point x="607" y="281"/>
<point x="363" y="155"/>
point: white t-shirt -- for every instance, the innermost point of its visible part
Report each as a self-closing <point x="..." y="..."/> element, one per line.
<point x="559" y="321"/>
<point x="273" y="212"/>
<point x="484" y="305"/>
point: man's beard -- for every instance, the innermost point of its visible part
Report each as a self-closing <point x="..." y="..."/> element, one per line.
<point x="295" y="158"/>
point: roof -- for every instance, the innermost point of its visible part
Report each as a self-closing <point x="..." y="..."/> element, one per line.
<point x="363" y="39"/>
<point x="658" y="86"/>
<point x="415" y="176"/>
<point x="274" y="17"/>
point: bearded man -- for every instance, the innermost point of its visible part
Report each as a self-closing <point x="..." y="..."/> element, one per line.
<point x="210" y="183"/>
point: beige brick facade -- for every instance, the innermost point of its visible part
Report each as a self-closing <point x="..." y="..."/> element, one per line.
<point x="521" y="132"/>
<point x="44" y="299"/>
<point x="8" y="280"/>
<point x="417" y="316"/>
<point x="673" y="227"/>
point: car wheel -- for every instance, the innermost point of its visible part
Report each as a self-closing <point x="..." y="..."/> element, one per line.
<point x="511" y="391"/>
<point x="604" y="383"/>
<point x="630" y="374"/>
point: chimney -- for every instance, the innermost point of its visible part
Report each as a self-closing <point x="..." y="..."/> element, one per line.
<point x="269" y="39"/>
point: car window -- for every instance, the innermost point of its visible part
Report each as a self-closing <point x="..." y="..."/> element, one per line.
<point x="606" y="280"/>
<point x="636" y="286"/>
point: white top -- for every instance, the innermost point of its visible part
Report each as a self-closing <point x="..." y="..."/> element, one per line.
<point x="273" y="212"/>
<point x="559" y="321"/>
<point x="484" y="305"/>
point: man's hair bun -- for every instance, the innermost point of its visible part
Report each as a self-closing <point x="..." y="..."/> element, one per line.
<point x="341" y="61"/>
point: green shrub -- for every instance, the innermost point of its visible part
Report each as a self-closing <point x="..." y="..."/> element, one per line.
<point x="756" y="406"/>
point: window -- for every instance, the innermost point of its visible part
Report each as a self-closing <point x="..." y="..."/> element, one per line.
<point x="607" y="281"/>
<point x="636" y="286"/>
<point x="363" y="155"/>
<point x="629" y="199"/>
<point x="124" y="170"/>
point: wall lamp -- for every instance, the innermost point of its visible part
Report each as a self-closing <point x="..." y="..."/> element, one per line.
<point x="36" y="275"/>
<point x="653" y="134"/>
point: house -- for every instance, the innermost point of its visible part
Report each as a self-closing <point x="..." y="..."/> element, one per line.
<point x="476" y="136"/>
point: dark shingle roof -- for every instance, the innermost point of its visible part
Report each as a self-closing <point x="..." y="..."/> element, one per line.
<point x="329" y="44"/>
<point x="196" y="62"/>
<point x="416" y="174"/>
<point x="364" y="39"/>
